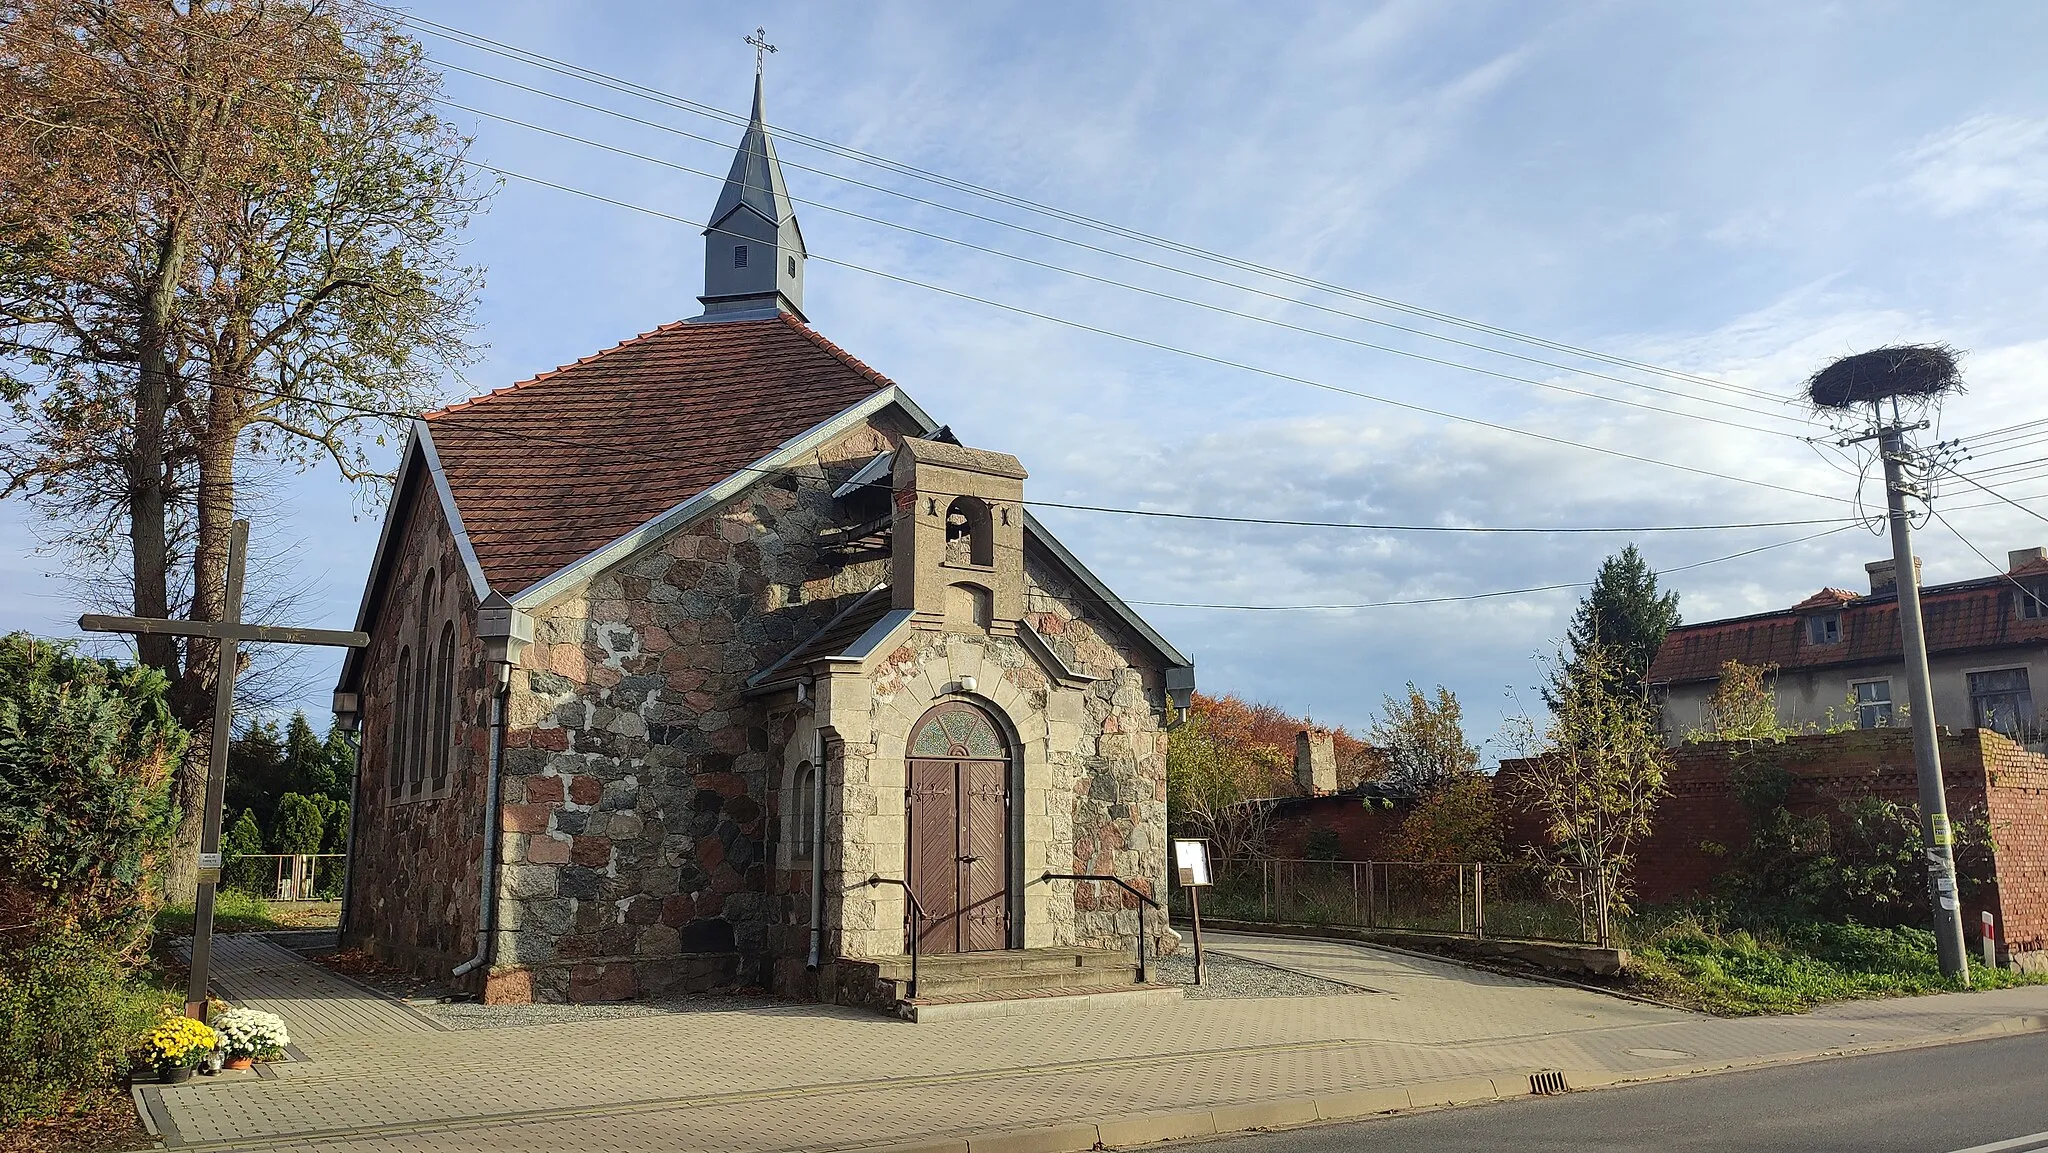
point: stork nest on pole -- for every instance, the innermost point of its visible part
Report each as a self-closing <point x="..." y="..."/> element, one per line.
<point x="1907" y="370"/>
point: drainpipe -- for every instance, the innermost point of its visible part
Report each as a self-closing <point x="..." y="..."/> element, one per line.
<point x="348" y="717"/>
<point x="505" y="632"/>
<point x="817" y="840"/>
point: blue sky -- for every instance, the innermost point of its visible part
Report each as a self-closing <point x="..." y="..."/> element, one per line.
<point x="1739" y="191"/>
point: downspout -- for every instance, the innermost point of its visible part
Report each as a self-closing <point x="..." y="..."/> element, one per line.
<point x="505" y="632"/>
<point x="487" y="904"/>
<point x="817" y="839"/>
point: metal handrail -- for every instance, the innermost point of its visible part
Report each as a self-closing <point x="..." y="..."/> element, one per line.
<point x="916" y="924"/>
<point x="1126" y="887"/>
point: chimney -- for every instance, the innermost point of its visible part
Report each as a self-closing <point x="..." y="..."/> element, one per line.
<point x="1884" y="577"/>
<point x="1315" y="762"/>
<point x="2020" y="558"/>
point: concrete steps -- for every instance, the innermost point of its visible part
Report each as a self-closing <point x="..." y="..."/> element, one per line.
<point x="979" y="1006"/>
<point x="960" y="986"/>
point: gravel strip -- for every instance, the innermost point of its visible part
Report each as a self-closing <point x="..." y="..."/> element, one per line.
<point x="1225" y="975"/>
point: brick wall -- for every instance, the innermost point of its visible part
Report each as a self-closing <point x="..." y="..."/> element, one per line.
<point x="1701" y="825"/>
<point x="1362" y="832"/>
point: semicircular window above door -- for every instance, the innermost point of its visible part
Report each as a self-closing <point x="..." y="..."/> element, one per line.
<point x="957" y="729"/>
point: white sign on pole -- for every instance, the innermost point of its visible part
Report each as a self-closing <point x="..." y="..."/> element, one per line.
<point x="1191" y="860"/>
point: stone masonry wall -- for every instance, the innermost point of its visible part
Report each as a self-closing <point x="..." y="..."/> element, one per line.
<point x="417" y="864"/>
<point x="638" y="779"/>
<point x="1118" y="764"/>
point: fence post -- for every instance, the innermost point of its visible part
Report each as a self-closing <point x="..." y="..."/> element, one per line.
<point x="1354" y="893"/>
<point x="1461" y="899"/>
<point x="1265" y="883"/>
<point x="1479" y="900"/>
<point x="1371" y="910"/>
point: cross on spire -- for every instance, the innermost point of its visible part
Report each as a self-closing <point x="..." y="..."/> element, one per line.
<point x="761" y="47"/>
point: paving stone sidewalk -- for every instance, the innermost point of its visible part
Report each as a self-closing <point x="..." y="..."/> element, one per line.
<point x="808" y="1077"/>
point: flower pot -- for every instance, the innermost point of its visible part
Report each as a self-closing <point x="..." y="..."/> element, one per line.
<point x="240" y="1062"/>
<point x="175" y="1074"/>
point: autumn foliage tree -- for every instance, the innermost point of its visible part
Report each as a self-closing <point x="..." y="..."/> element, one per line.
<point x="227" y="234"/>
<point x="1228" y="760"/>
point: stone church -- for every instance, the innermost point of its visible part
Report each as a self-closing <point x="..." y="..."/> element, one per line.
<point x="713" y="661"/>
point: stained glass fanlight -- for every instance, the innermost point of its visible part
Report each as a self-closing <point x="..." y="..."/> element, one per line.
<point x="956" y="729"/>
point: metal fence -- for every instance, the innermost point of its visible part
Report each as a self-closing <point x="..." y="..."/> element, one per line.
<point x="286" y="876"/>
<point x="1525" y="901"/>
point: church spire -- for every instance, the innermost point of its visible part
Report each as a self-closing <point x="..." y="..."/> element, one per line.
<point x="753" y="250"/>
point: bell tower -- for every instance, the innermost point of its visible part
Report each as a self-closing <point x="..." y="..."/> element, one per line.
<point x="753" y="249"/>
<point x="958" y="537"/>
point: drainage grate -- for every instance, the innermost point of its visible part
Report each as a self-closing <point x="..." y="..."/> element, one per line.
<point x="1546" y="1083"/>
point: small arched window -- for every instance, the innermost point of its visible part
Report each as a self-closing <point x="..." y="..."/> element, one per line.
<point x="444" y="706"/>
<point x="969" y="536"/>
<point x="801" y="825"/>
<point x="401" y="702"/>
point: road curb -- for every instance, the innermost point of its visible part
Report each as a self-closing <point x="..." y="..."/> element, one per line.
<point x="1358" y="1104"/>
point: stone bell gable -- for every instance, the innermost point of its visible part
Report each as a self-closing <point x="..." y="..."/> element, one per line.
<point x="957" y="548"/>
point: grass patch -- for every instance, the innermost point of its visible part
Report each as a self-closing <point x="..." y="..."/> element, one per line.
<point x="237" y="912"/>
<point x="1731" y="971"/>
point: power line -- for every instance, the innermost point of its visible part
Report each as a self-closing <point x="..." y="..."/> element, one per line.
<point x="1430" y="528"/>
<point x="1477" y="596"/>
<point x="1163" y="347"/>
<point x="613" y="83"/>
<point x="1975" y="483"/>
<point x="1205" y="305"/>
<point x="2006" y="575"/>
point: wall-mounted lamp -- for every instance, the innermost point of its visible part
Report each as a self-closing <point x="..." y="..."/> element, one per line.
<point x="966" y="684"/>
<point x="348" y="712"/>
<point x="505" y="632"/>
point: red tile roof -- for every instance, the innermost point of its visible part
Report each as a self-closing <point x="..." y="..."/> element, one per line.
<point x="548" y="470"/>
<point x="1967" y="615"/>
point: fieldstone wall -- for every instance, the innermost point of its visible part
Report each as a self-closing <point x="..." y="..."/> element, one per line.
<point x="416" y="867"/>
<point x="638" y="779"/>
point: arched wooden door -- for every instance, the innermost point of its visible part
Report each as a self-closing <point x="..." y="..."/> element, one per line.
<point x="957" y="809"/>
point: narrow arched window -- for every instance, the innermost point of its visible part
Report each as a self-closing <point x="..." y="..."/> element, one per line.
<point x="418" y="730"/>
<point x="801" y="827"/>
<point x="401" y="702"/>
<point x="969" y="536"/>
<point x="444" y="706"/>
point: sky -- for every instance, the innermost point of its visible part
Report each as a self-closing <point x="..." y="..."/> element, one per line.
<point x="1735" y="192"/>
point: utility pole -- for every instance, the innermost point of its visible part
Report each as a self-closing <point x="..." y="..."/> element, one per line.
<point x="1934" y="825"/>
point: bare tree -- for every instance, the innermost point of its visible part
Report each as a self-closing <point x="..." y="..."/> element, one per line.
<point x="226" y="234"/>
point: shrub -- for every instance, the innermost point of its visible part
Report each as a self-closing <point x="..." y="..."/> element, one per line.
<point x="68" y="1017"/>
<point x="1459" y="822"/>
<point x="87" y="749"/>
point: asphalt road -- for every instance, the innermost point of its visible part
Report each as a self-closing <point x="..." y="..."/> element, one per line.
<point x="1936" y="1100"/>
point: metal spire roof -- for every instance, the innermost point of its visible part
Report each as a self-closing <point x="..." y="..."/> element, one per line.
<point x="756" y="177"/>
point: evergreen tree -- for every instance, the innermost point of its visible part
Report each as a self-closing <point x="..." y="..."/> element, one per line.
<point x="299" y="826"/>
<point x="307" y="767"/>
<point x="1626" y="615"/>
<point x="257" y="774"/>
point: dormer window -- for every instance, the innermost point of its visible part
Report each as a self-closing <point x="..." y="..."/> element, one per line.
<point x="2033" y="598"/>
<point x="1824" y="629"/>
<point x="739" y="256"/>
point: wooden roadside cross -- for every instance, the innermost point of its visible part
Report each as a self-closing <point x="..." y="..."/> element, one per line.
<point x="229" y="631"/>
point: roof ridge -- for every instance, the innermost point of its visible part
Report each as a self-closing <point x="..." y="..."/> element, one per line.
<point x="559" y="369"/>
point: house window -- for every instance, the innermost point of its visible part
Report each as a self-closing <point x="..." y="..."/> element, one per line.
<point x="802" y="828"/>
<point x="792" y="268"/>
<point x="1873" y="704"/>
<point x="2033" y="597"/>
<point x="2002" y="700"/>
<point x="1824" y="629"/>
<point x="739" y="256"/>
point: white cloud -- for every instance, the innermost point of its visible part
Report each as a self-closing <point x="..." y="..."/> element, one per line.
<point x="1985" y="163"/>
